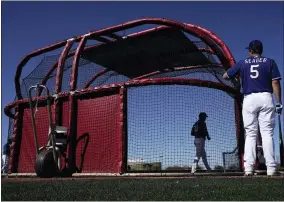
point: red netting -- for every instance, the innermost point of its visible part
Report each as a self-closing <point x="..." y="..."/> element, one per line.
<point x="28" y="151"/>
<point x="156" y="120"/>
<point x="98" y="117"/>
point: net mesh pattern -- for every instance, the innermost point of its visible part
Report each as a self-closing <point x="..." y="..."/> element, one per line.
<point x="28" y="150"/>
<point x="209" y="73"/>
<point x="231" y="160"/>
<point x="98" y="118"/>
<point x="87" y="69"/>
<point x="160" y="119"/>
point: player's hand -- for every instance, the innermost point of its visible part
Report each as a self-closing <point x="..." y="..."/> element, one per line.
<point x="278" y="108"/>
<point x="236" y="82"/>
<point x="208" y="138"/>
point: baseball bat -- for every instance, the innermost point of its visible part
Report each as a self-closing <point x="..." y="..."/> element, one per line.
<point x="281" y="145"/>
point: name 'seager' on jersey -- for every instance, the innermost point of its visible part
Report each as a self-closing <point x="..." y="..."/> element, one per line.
<point x="256" y="73"/>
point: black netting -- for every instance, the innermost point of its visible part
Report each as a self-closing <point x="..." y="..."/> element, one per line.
<point x="36" y="76"/>
<point x="43" y="67"/>
<point x="231" y="160"/>
<point x="131" y="57"/>
<point x="160" y="119"/>
<point x="202" y="45"/>
<point x="109" y="78"/>
<point x="136" y="56"/>
<point x="209" y="73"/>
<point x="86" y="72"/>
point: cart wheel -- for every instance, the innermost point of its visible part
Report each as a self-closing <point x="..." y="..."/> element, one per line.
<point x="44" y="165"/>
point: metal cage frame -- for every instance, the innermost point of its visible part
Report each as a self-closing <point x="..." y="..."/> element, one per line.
<point x="216" y="46"/>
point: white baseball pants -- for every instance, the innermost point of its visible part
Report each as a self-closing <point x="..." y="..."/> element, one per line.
<point x="3" y="162"/>
<point x="258" y="110"/>
<point x="200" y="152"/>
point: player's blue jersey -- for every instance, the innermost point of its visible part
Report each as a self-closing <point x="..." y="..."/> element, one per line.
<point x="256" y="73"/>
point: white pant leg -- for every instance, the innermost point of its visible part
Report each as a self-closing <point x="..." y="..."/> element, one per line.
<point x="250" y="113"/>
<point x="200" y="151"/>
<point x="266" y="120"/>
<point x="199" y="147"/>
<point x="204" y="159"/>
<point x="3" y="162"/>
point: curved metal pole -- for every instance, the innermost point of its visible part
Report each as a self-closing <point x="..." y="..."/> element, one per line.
<point x="60" y="65"/>
<point x="68" y="46"/>
<point x="95" y="76"/>
<point x="27" y="58"/>
<point x="191" y="29"/>
<point x="223" y="52"/>
<point x="229" y="89"/>
<point x="209" y="38"/>
<point x="73" y="78"/>
<point x="177" y="69"/>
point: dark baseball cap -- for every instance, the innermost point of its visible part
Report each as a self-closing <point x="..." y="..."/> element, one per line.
<point x="203" y="114"/>
<point x="255" y="45"/>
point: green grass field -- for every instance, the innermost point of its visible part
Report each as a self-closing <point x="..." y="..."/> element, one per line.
<point x="201" y="188"/>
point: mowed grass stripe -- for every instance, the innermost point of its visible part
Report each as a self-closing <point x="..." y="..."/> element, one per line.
<point x="147" y="189"/>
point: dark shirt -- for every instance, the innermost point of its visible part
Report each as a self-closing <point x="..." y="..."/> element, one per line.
<point x="199" y="130"/>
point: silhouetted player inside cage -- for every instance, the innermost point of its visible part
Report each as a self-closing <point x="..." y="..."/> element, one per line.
<point x="200" y="132"/>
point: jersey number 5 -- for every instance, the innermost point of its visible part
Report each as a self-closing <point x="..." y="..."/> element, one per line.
<point x="254" y="72"/>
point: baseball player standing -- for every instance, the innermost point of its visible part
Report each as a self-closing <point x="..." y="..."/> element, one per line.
<point x="260" y="77"/>
<point x="200" y="132"/>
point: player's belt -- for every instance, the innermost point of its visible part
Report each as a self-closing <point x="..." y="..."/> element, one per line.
<point x="257" y="92"/>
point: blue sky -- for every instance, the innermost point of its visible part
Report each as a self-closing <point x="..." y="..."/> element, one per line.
<point x="27" y="26"/>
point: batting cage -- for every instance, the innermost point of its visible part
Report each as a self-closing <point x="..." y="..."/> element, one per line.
<point x="128" y="97"/>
